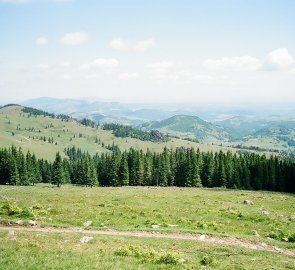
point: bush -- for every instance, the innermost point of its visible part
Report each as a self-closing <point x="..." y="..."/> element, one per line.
<point x="147" y="255"/>
<point x="208" y="260"/>
<point x="280" y="235"/>
<point x="8" y="209"/>
<point x="168" y="258"/>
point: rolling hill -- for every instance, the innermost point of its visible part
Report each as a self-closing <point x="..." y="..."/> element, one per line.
<point x="193" y="127"/>
<point x="45" y="135"/>
<point x="270" y="132"/>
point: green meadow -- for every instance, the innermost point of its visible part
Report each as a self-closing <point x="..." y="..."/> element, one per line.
<point x="197" y="210"/>
<point x="214" y="212"/>
<point x="35" y="250"/>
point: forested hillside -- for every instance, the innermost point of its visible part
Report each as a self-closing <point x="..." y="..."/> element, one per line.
<point x="128" y="131"/>
<point x="182" y="167"/>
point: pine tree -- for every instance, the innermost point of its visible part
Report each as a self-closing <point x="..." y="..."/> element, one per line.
<point x="14" y="175"/>
<point x="147" y="168"/>
<point x="123" y="173"/>
<point x="58" y="177"/>
<point x="112" y="170"/>
<point x="22" y="169"/>
<point x="163" y="171"/>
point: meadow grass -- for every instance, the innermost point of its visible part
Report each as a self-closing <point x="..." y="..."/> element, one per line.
<point x="196" y="210"/>
<point x="43" y="250"/>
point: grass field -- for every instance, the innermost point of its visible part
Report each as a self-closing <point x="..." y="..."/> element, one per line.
<point x="205" y="211"/>
<point x="66" y="134"/>
<point x="217" y="212"/>
<point x="24" y="250"/>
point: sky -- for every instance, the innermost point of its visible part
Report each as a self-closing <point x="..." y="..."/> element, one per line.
<point x="227" y="51"/>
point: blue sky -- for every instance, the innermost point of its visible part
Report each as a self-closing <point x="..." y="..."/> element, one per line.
<point x="188" y="50"/>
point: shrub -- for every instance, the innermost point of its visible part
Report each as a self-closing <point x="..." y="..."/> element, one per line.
<point x="168" y="258"/>
<point x="208" y="260"/>
<point x="8" y="209"/>
<point x="147" y="255"/>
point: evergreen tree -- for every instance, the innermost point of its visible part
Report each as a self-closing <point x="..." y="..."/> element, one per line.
<point x="123" y="173"/>
<point x="14" y="175"/>
<point x="58" y="176"/>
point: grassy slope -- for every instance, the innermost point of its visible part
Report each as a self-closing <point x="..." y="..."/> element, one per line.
<point x="219" y="212"/>
<point x="62" y="132"/>
<point x="64" y="251"/>
<point x="194" y="210"/>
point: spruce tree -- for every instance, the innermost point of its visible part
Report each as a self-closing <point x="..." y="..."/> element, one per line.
<point x="123" y="173"/>
<point x="58" y="177"/>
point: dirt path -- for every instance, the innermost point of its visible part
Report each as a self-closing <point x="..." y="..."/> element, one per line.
<point x="154" y="234"/>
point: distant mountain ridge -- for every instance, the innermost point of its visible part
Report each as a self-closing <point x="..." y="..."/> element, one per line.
<point x="102" y="111"/>
<point x="263" y="131"/>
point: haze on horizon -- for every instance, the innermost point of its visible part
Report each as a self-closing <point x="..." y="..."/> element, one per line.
<point x="224" y="51"/>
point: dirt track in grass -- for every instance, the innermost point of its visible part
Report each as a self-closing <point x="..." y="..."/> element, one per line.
<point x="155" y="234"/>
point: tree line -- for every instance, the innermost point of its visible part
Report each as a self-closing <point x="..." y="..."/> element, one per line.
<point x="181" y="167"/>
<point x="124" y="131"/>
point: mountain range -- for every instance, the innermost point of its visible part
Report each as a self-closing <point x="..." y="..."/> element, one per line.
<point x="275" y="132"/>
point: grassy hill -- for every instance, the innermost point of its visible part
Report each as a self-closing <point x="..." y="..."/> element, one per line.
<point x="186" y="126"/>
<point x="25" y="130"/>
<point x="268" y="132"/>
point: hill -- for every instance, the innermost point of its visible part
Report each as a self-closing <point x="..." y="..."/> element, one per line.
<point x="44" y="135"/>
<point x="270" y="132"/>
<point x="186" y="126"/>
<point x="249" y="124"/>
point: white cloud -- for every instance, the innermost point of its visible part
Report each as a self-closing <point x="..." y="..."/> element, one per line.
<point x="127" y="45"/>
<point x="75" y="38"/>
<point x="42" y="66"/>
<point x="128" y="76"/>
<point x="90" y="76"/>
<point x="102" y="63"/>
<point x="161" y="70"/>
<point x="242" y="63"/>
<point x="168" y="70"/>
<point x="118" y="44"/>
<point x="144" y="45"/>
<point x="66" y="76"/>
<point x="209" y="79"/>
<point x="278" y="59"/>
<point x="41" y="41"/>
<point x="65" y="64"/>
<point x="161" y="65"/>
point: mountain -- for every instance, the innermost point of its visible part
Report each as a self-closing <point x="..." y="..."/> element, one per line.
<point x="274" y="132"/>
<point x="102" y="111"/>
<point x="186" y="126"/>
